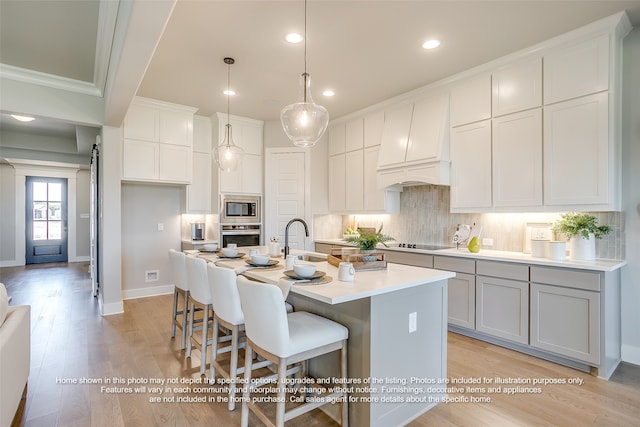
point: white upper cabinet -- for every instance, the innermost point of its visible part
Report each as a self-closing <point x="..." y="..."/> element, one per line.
<point x="337" y="183"/>
<point x="248" y="135"/>
<point x="576" y="69"/>
<point x="429" y="128"/>
<point x="354" y="134"/>
<point x="471" y="166"/>
<point x="517" y="87"/>
<point x="471" y="100"/>
<point x="337" y="139"/>
<point x="517" y="159"/>
<point x="395" y="135"/>
<point x="197" y="195"/>
<point x="157" y="142"/>
<point x="354" y="180"/>
<point x="576" y="152"/>
<point x="373" y="127"/>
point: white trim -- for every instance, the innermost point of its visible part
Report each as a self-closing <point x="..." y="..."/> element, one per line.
<point x="631" y="354"/>
<point x="112" y="308"/>
<point x="10" y="263"/>
<point x="151" y="291"/>
<point x="107" y="18"/>
<point x="23" y="169"/>
<point x="48" y="80"/>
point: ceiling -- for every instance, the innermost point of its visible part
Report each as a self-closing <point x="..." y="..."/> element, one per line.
<point x="366" y="51"/>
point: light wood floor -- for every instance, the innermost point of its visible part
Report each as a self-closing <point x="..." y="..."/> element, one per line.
<point x="71" y="340"/>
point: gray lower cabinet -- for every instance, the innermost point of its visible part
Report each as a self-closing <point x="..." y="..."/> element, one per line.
<point x="502" y="300"/>
<point x="502" y="308"/>
<point x="462" y="290"/>
<point x="566" y="321"/>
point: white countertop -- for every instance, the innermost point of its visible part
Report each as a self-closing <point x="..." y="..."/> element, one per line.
<point x="507" y="256"/>
<point x="366" y="283"/>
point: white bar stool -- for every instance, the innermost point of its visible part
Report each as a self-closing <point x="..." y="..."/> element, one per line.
<point x="227" y="313"/>
<point x="286" y="339"/>
<point x="181" y="287"/>
<point x="200" y="297"/>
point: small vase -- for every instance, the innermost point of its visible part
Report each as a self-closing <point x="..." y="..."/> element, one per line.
<point x="583" y="249"/>
<point x="367" y="251"/>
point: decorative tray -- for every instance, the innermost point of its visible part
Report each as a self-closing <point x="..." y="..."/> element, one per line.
<point x="360" y="261"/>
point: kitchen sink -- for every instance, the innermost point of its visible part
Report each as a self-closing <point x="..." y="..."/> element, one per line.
<point x="312" y="258"/>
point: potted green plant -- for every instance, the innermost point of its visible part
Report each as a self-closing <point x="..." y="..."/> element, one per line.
<point x="369" y="241"/>
<point x="581" y="229"/>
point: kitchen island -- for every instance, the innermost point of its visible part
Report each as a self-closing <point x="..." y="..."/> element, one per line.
<point x="397" y="351"/>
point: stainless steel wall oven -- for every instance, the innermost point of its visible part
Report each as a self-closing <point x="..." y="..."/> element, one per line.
<point x="240" y="234"/>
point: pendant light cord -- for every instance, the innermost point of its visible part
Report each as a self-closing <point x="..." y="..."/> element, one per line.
<point x="228" y="93"/>
<point x="306" y="76"/>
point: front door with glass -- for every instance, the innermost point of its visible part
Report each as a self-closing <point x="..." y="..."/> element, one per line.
<point x="46" y="220"/>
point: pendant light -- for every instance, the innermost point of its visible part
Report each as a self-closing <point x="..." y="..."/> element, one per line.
<point x="304" y="122"/>
<point x="228" y="155"/>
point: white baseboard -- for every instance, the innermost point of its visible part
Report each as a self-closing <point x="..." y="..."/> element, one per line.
<point x="631" y="354"/>
<point x="80" y="259"/>
<point x="10" y="263"/>
<point x="147" y="292"/>
<point x="111" y="308"/>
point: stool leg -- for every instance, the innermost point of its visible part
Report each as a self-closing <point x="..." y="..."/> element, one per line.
<point x="214" y="348"/>
<point x="282" y="374"/>
<point x="344" y="422"/>
<point x="233" y="368"/>
<point x="185" y="319"/>
<point x="193" y="314"/>
<point x="248" y="356"/>
<point x="205" y="337"/>
<point x="175" y="313"/>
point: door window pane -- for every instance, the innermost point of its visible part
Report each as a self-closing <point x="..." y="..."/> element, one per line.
<point x="55" y="192"/>
<point x="55" y="230"/>
<point x="39" y="191"/>
<point x="55" y="211"/>
<point x="39" y="230"/>
<point x="39" y="210"/>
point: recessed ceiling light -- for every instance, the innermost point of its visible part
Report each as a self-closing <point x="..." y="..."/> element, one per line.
<point x="431" y="44"/>
<point x="294" y="38"/>
<point x="328" y="92"/>
<point x="23" y="118"/>
<point x="229" y="92"/>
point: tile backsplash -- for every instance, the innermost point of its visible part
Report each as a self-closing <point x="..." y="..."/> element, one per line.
<point x="424" y="218"/>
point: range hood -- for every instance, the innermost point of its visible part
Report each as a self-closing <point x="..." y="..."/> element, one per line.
<point x="415" y="143"/>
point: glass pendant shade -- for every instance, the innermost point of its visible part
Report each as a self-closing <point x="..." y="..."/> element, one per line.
<point x="304" y="122"/>
<point x="227" y="154"/>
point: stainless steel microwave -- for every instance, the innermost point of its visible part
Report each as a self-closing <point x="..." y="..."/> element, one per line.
<point x="236" y="209"/>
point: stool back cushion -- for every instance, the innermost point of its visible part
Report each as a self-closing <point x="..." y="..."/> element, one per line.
<point x="265" y="315"/>
<point x="198" y="279"/>
<point x="179" y="269"/>
<point x="224" y="294"/>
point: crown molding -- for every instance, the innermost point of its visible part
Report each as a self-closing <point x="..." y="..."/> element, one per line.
<point x="48" y="80"/>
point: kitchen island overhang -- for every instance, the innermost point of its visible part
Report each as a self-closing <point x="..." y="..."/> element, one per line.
<point x="397" y="352"/>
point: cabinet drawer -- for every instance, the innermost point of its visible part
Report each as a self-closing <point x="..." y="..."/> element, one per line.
<point x="503" y="269"/>
<point x="568" y="278"/>
<point x="454" y="264"/>
<point x="418" y="260"/>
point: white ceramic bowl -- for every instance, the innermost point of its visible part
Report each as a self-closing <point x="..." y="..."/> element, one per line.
<point x="260" y="259"/>
<point x="304" y="270"/>
<point x="230" y="251"/>
<point x="210" y="247"/>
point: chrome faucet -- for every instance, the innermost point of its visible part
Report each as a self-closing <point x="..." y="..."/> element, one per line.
<point x="286" y="233"/>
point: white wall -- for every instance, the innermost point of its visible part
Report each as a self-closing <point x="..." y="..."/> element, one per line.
<point x="631" y="198"/>
<point x="144" y="248"/>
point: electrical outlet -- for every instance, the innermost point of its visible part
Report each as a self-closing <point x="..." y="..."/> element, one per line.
<point x="413" y="322"/>
<point x="160" y="226"/>
<point x="487" y="241"/>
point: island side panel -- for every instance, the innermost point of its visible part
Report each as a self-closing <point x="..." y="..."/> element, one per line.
<point x="355" y="315"/>
<point x="398" y="356"/>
